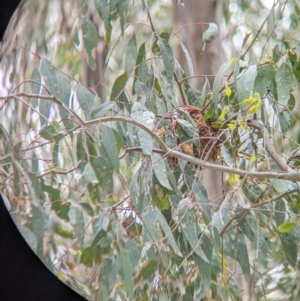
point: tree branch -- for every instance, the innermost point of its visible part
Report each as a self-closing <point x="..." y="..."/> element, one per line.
<point x="277" y="157"/>
<point x="291" y="175"/>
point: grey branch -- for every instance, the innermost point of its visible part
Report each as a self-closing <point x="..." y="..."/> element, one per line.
<point x="268" y="145"/>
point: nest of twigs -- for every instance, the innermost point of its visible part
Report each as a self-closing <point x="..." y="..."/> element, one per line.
<point x="210" y="144"/>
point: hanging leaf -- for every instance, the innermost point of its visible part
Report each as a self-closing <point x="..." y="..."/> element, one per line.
<point x="109" y="143"/>
<point x="87" y="257"/>
<point x="228" y="91"/>
<point x="102" y="110"/>
<point x="64" y="95"/>
<point x="86" y="100"/>
<point x="90" y="39"/>
<point x="189" y="227"/>
<point x="149" y="227"/>
<point x="134" y="253"/>
<point x="289" y="248"/>
<point x="265" y="79"/>
<point x="126" y="271"/>
<point x="146" y="271"/>
<point x="254" y="103"/>
<point x="139" y="58"/>
<point x="168" y="233"/>
<point x="118" y="86"/>
<point x="202" y="198"/>
<point x="189" y="128"/>
<point x="38" y="228"/>
<point x="242" y="256"/>
<point x="160" y="170"/>
<point x="286" y="227"/>
<point x="145" y="142"/>
<point x="203" y="266"/>
<point x="131" y="55"/>
<point x="36" y="86"/>
<point x="89" y="174"/>
<point x="48" y="132"/>
<point x="49" y="74"/>
<point x="218" y="82"/>
<point x="188" y="59"/>
<point x="245" y="83"/>
<point x="284" y="80"/>
<point x="279" y="212"/>
<point x="103" y="10"/>
<point x="122" y="9"/>
<point x="209" y="34"/>
<point x="167" y="56"/>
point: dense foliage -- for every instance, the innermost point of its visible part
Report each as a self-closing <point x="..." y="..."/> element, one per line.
<point x="108" y="191"/>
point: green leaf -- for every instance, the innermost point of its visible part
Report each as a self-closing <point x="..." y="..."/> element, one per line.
<point x="90" y="39"/>
<point x="203" y="266"/>
<point x="146" y="271"/>
<point x="122" y="8"/>
<point x="188" y="60"/>
<point x="167" y="56"/>
<point x="284" y="121"/>
<point x="286" y="227"/>
<point x="134" y="253"/>
<point x="168" y="233"/>
<point x="34" y="187"/>
<point x="242" y="256"/>
<point x="149" y="225"/>
<point x="86" y="100"/>
<point x="139" y="58"/>
<point x="209" y="34"/>
<point x="87" y="208"/>
<point x="102" y="110"/>
<point x="63" y="232"/>
<point x="145" y="142"/>
<point x="109" y="143"/>
<point x="265" y="79"/>
<point x="279" y="213"/>
<point x="118" y="86"/>
<point x="49" y="74"/>
<point x="87" y="256"/>
<point x="38" y="228"/>
<point x="64" y="95"/>
<point x="284" y="80"/>
<point x="160" y="170"/>
<point x="201" y="196"/>
<point x="289" y="248"/>
<point x="218" y="83"/>
<point x="189" y="128"/>
<point x="126" y="271"/>
<point x="61" y="209"/>
<point x="48" y="132"/>
<point x="142" y="78"/>
<point x="103" y="10"/>
<point x="37" y="86"/>
<point x="89" y="174"/>
<point x="44" y="108"/>
<point x="131" y="55"/>
<point x="140" y="88"/>
<point x="245" y="83"/>
<point x="189" y="225"/>
<point x="222" y="217"/>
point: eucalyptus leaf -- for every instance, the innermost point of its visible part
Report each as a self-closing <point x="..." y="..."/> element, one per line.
<point x="90" y="38"/>
<point x="167" y="56"/>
